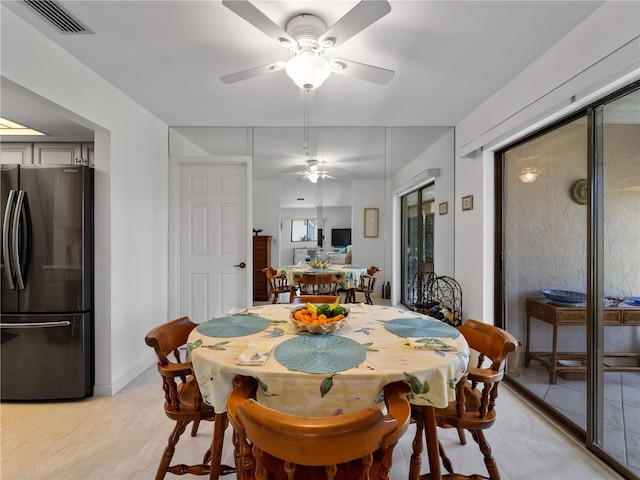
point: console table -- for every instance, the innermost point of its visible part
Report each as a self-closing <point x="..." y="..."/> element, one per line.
<point x="575" y="362"/>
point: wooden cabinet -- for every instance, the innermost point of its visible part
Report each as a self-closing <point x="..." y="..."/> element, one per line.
<point x="56" y="153"/>
<point x="47" y="153"/>
<point x="261" y="260"/>
<point x="16" y="153"/>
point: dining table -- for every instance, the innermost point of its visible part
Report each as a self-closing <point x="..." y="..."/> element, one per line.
<point x="349" y="274"/>
<point x="309" y="374"/>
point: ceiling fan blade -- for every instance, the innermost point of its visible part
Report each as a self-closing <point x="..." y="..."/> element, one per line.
<point x="255" y="17"/>
<point x="372" y="74"/>
<point x="252" y="72"/>
<point x="354" y="21"/>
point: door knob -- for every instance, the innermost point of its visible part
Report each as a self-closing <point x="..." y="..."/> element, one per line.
<point x="241" y="265"/>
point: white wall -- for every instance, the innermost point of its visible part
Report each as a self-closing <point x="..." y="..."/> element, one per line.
<point x="366" y="251"/>
<point x="131" y="209"/>
<point x="592" y="60"/>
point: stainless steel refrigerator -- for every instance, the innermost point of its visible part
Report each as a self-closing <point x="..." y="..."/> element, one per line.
<point x="47" y="340"/>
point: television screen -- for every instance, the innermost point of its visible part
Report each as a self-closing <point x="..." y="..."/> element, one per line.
<point x="340" y="237"/>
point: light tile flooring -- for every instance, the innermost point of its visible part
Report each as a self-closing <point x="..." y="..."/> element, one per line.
<point x="122" y="438"/>
<point x="621" y="408"/>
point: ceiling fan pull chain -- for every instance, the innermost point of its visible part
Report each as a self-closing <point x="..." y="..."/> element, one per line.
<point x="305" y="127"/>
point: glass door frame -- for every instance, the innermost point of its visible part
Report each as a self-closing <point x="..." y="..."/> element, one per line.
<point x="421" y="240"/>
<point x="593" y="435"/>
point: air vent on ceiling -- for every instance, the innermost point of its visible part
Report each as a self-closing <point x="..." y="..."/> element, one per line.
<point x="57" y="16"/>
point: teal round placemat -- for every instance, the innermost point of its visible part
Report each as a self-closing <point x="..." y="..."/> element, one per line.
<point x="233" y="326"/>
<point x="320" y="353"/>
<point x="421" y="327"/>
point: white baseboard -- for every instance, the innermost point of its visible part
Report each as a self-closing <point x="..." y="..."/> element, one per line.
<point x="111" y="389"/>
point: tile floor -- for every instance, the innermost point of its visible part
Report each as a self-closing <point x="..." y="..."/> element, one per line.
<point x="122" y="438"/>
<point x="621" y="408"/>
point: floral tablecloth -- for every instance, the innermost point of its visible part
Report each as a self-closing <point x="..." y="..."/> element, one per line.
<point x="432" y="371"/>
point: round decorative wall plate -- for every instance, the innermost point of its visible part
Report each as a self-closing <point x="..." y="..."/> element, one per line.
<point x="580" y="191"/>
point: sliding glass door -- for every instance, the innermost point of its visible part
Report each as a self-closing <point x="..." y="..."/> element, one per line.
<point x="616" y="278"/>
<point x="570" y="275"/>
<point x="417" y="242"/>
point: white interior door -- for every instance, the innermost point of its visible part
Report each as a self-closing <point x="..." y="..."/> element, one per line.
<point x="213" y="240"/>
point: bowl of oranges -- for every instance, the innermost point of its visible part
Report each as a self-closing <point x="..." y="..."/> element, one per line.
<point x="316" y="318"/>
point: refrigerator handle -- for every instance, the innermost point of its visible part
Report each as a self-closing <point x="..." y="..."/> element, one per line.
<point x="5" y="240"/>
<point x="65" y="323"/>
<point x="16" y="239"/>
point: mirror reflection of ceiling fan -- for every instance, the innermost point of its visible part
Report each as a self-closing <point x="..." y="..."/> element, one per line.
<point x="312" y="173"/>
<point x="307" y="38"/>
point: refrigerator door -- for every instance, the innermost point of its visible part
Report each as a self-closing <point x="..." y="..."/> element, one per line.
<point x="8" y="199"/>
<point x="56" y="265"/>
<point x="46" y="357"/>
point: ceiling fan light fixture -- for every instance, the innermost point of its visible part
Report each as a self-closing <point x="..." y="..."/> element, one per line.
<point x="308" y="70"/>
<point x="313" y="177"/>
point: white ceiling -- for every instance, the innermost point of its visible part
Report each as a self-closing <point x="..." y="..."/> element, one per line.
<point x="449" y="56"/>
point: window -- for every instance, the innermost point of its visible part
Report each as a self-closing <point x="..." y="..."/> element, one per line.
<point x="303" y="230"/>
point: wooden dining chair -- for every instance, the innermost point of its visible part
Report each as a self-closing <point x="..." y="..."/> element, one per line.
<point x="277" y="284"/>
<point x="321" y="299"/>
<point x="182" y="400"/>
<point x="366" y="284"/>
<point x="318" y="283"/>
<point x="279" y="446"/>
<point x="476" y="393"/>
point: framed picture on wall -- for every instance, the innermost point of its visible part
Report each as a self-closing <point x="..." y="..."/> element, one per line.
<point x="371" y="222"/>
<point x="443" y="208"/>
<point x="467" y="202"/>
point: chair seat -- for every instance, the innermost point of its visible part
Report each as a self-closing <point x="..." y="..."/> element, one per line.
<point x="448" y="417"/>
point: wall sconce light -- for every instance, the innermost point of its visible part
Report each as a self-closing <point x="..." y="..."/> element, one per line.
<point x="528" y="175"/>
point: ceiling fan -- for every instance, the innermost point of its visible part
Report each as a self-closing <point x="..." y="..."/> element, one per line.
<point x="312" y="173"/>
<point x="307" y="38"/>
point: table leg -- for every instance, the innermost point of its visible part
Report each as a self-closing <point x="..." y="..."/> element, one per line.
<point x="554" y="356"/>
<point x="219" y="426"/>
<point x="431" y="436"/>
<point x="527" y="357"/>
